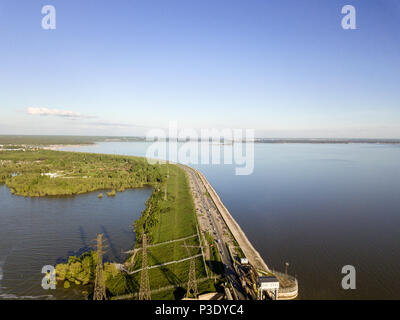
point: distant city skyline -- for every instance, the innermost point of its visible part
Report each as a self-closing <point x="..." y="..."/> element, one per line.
<point x="285" y="68"/>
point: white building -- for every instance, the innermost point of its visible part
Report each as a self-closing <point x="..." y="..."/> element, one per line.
<point x="269" y="284"/>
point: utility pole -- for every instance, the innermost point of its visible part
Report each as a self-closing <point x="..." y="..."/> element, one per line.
<point x="192" y="282"/>
<point x="99" y="285"/>
<point x="286" y="267"/>
<point x="144" y="292"/>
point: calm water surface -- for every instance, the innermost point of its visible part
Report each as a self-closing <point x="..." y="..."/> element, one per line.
<point x="45" y="231"/>
<point x="318" y="207"/>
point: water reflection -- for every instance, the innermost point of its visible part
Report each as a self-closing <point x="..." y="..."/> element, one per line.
<point x="38" y="232"/>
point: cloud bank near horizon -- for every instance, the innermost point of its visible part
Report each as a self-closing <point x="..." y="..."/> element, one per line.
<point x="56" y="112"/>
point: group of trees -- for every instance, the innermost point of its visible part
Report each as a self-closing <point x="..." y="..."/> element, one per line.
<point x="59" y="140"/>
<point x="40" y="172"/>
<point x="82" y="271"/>
<point x="77" y="270"/>
<point x="151" y="215"/>
<point x="51" y="173"/>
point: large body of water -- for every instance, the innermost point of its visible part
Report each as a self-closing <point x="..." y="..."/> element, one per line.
<point x="46" y="231"/>
<point x="317" y="206"/>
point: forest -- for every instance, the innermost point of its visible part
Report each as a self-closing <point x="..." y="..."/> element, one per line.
<point x="169" y="213"/>
<point x="37" y="173"/>
<point x="40" y="140"/>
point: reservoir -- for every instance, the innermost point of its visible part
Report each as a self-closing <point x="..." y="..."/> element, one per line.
<point x="318" y="207"/>
<point x="44" y="231"/>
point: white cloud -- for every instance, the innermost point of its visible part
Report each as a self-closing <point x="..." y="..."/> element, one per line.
<point x="55" y="112"/>
<point x="114" y="124"/>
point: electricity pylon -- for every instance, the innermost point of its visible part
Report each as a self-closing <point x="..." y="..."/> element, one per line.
<point x="99" y="285"/>
<point x="192" y="282"/>
<point x="144" y="292"/>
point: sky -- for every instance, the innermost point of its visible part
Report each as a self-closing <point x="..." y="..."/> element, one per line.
<point x="284" y="68"/>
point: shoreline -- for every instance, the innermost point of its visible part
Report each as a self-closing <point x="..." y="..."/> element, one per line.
<point x="58" y="147"/>
<point x="238" y="234"/>
<point x="287" y="292"/>
<point x="251" y="253"/>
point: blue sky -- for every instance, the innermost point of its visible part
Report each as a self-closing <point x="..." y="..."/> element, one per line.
<point x="284" y="68"/>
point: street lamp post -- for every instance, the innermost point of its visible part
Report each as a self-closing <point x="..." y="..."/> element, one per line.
<point x="286" y="267"/>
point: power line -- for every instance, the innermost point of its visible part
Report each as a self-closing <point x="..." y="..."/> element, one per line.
<point x="144" y="292"/>
<point x="99" y="285"/>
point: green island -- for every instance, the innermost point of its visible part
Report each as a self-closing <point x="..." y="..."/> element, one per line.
<point x="169" y="219"/>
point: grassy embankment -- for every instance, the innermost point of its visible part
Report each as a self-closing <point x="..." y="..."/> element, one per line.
<point x="175" y="215"/>
<point x="168" y="215"/>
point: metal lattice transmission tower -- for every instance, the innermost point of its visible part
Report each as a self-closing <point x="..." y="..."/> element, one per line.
<point x="99" y="285"/>
<point x="192" y="282"/>
<point x="144" y="292"/>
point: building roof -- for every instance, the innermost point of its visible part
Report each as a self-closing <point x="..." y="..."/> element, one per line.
<point x="267" y="279"/>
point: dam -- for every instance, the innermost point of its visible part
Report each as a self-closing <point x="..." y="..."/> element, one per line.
<point x="208" y="202"/>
